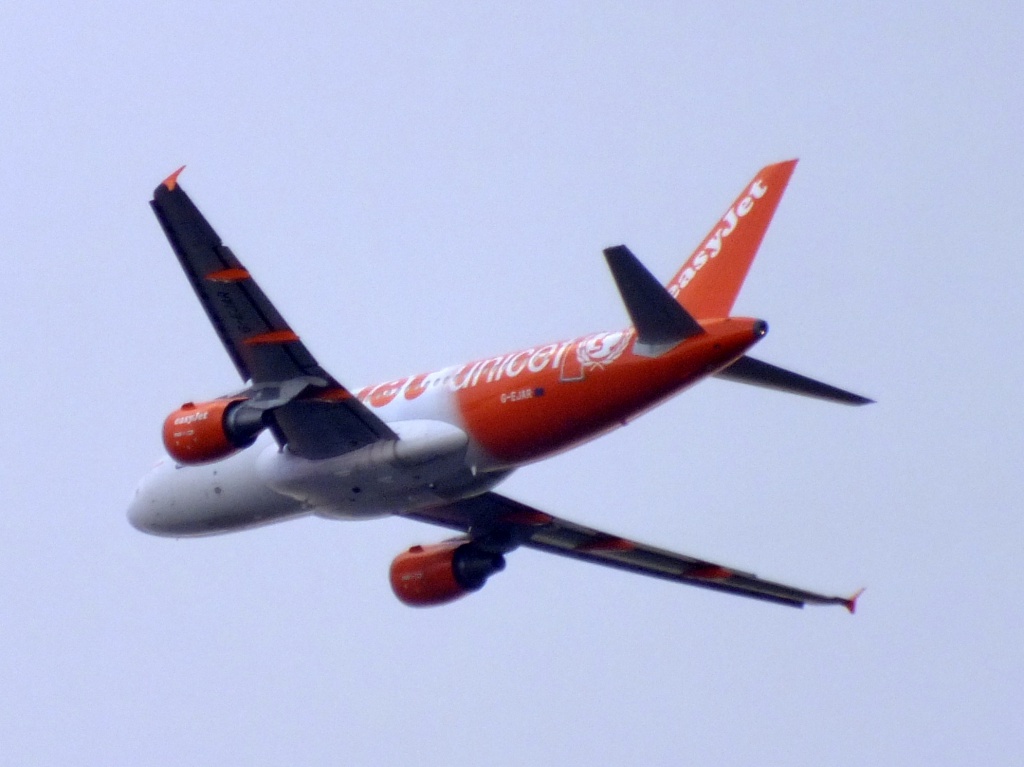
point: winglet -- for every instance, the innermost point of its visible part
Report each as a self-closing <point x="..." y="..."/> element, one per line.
<point x="851" y="603"/>
<point x="172" y="180"/>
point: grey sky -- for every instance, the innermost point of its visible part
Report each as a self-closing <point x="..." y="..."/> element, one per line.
<point x="419" y="186"/>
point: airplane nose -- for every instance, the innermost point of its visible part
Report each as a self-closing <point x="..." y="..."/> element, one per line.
<point x="137" y="513"/>
<point x="148" y="510"/>
<point x="144" y="509"/>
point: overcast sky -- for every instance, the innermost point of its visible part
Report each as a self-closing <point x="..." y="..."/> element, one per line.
<point x="433" y="183"/>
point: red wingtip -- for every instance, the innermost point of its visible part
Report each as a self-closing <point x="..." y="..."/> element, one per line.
<point x="851" y="603"/>
<point x="172" y="180"/>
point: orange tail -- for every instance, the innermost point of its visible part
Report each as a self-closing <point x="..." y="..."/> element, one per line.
<point x="711" y="278"/>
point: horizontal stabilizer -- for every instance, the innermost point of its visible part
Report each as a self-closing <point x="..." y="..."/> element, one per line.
<point x="660" y="321"/>
<point x="751" y="371"/>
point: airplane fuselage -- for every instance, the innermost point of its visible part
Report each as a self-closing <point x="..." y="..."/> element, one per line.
<point x="461" y="430"/>
<point x="432" y="447"/>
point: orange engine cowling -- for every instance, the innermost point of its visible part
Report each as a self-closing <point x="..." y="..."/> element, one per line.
<point x="434" y="575"/>
<point x="209" y="431"/>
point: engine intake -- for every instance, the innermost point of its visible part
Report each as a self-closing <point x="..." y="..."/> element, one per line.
<point x="210" y="431"/>
<point x="425" y="576"/>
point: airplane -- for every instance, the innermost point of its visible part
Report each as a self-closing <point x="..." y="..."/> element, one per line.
<point x="432" y="447"/>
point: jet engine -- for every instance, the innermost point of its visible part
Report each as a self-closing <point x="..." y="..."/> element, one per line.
<point x="209" y="431"/>
<point x="434" y="575"/>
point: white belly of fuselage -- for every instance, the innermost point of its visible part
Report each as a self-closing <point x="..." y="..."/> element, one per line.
<point x="426" y="466"/>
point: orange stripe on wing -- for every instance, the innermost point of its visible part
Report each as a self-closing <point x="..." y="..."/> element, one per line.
<point x="338" y="394"/>
<point x="228" y="275"/>
<point x="709" y="573"/>
<point x="527" y="518"/>
<point x="272" y="337"/>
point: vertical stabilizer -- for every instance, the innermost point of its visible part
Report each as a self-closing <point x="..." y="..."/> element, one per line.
<point x="711" y="278"/>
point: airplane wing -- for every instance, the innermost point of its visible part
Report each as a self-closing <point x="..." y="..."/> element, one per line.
<point x="495" y="521"/>
<point x="318" y="417"/>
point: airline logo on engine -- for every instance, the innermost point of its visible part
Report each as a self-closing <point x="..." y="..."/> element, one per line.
<point x="713" y="245"/>
<point x="184" y="420"/>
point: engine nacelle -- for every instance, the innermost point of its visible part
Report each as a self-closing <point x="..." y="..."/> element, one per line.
<point x="434" y="575"/>
<point x="210" y="431"/>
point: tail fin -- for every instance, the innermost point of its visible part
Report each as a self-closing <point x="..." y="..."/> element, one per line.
<point x="711" y="278"/>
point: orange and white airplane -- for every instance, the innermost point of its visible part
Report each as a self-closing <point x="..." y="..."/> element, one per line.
<point x="432" y="447"/>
